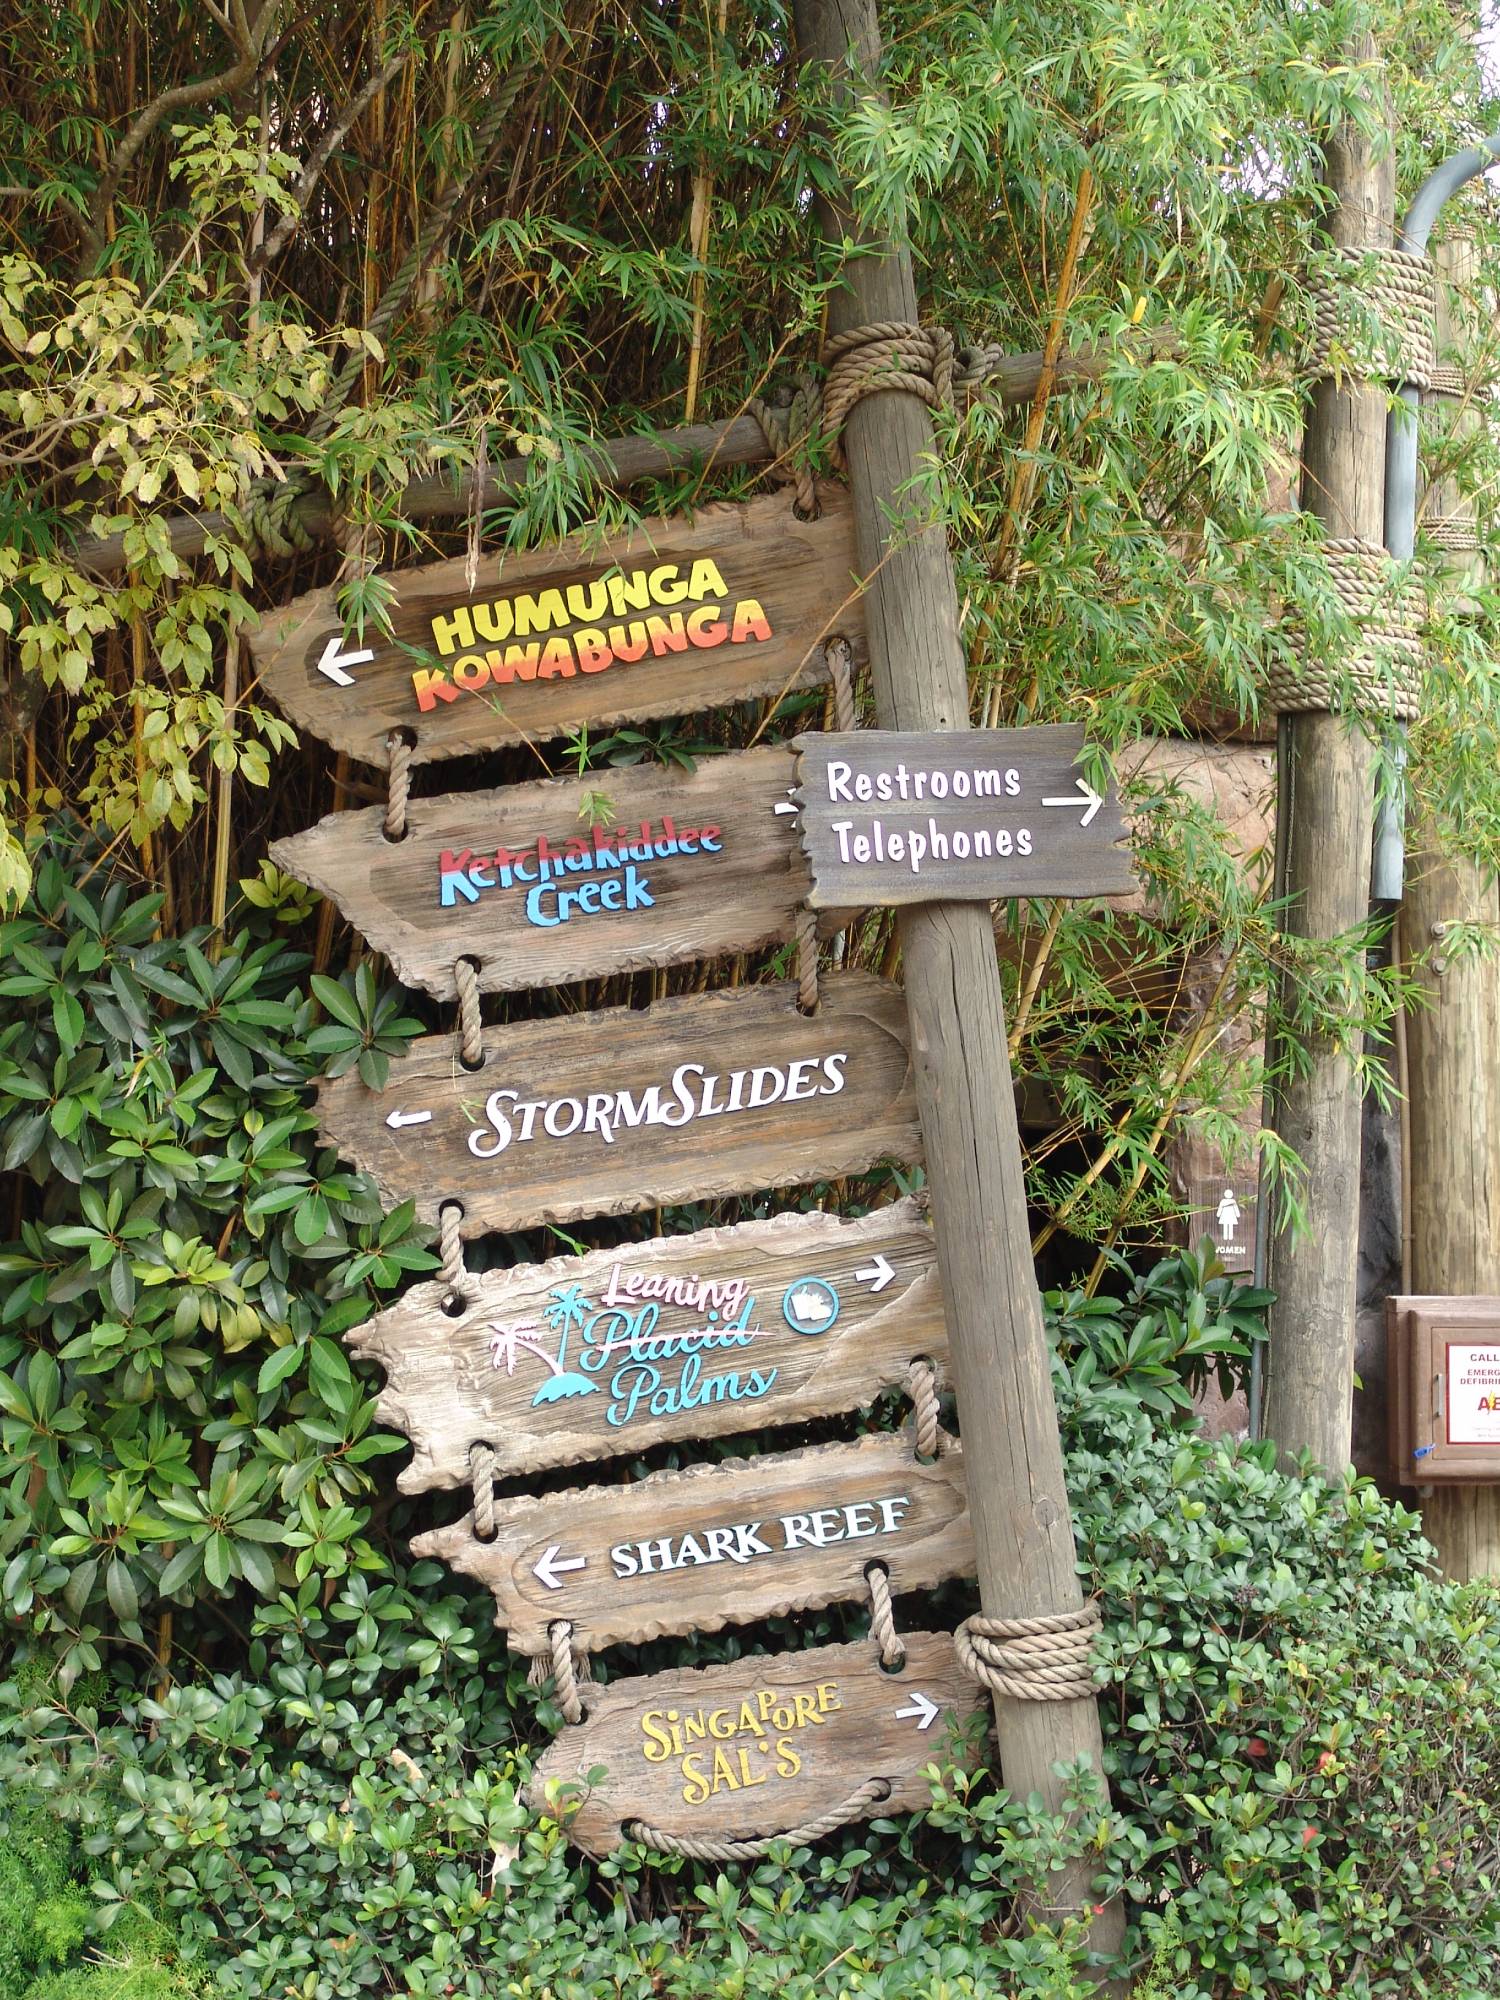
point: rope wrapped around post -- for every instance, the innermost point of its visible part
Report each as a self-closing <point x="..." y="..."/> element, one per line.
<point x="871" y="1793"/>
<point x="1045" y="1658"/>
<point x="470" y="1036"/>
<point x="1383" y="674"/>
<point x="1396" y="287"/>
<point x="398" y="785"/>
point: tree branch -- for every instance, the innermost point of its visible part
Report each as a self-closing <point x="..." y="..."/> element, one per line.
<point x="318" y="160"/>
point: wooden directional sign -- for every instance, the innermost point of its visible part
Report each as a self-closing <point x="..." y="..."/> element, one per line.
<point x="888" y="817"/>
<point x="725" y="1332"/>
<point x="674" y="865"/>
<point x="763" y="1745"/>
<point x="602" y="1114"/>
<point x="681" y="615"/>
<point x="718" y="1544"/>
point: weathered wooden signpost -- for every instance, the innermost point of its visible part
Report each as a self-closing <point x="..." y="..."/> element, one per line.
<point x="729" y="1332"/>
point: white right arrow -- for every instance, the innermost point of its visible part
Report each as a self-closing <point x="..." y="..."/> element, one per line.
<point x="1085" y="796"/>
<point x="877" y="1275"/>
<point x="923" y="1707"/>
<point x="332" y="661"/>
<point x="399" y="1118"/>
<point x="552" y="1564"/>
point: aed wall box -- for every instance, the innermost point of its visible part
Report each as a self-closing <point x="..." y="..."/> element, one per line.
<point x="1443" y="1389"/>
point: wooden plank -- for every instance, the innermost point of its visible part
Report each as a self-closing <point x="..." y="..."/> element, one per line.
<point x="712" y="1342"/>
<point x="906" y="816"/>
<point x="919" y="676"/>
<point x="765" y="1744"/>
<point x="718" y="1544"/>
<point x="743" y="596"/>
<point x="691" y="863"/>
<point x="603" y="1114"/>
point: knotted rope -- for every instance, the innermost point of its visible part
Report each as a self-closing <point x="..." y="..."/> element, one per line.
<point x="1383" y="674"/>
<point x="1031" y="1659"/>
<point x="921" y="1386"/>
<point x="790" y="422"/>
<point x="398" y="785"/>
<point x="859" y="1804"/>
<point x="887" y="354"/>
<point x="565" y="1667"/>
<point x="883" y="1617"/>
<point x="470" y="1035"/>
<point x="1398" y="289"/>
<point x="482" y="1481"/>
<point x="270" y="518"/>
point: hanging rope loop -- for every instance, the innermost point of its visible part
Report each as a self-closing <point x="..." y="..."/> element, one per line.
<point x="1046" y="1658"/>
<point x="883" y="1617"/>
<point x="398" y="785"/>
<point x="566" y="1667"/>
<point x="470" y="1033"/>
<point x="807" y="960"/>
<point x="840" y="657"/>
<point x="482" y="1484"/>
<point x="921" y="1386"/>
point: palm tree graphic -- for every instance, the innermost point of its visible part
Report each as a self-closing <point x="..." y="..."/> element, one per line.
<point x="570" y="1307"/>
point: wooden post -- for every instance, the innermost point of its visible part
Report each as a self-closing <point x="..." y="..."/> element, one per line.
<point x="1018" y="1500"/>
<point x="1453" y="1090"/>
<point x="1325" y="823"/>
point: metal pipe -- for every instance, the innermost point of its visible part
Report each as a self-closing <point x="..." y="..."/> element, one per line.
<point x="1401" y="491"/>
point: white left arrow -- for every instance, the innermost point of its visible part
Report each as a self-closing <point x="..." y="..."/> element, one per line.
<point x="877" y="1275"/>
<point x="332" y="662"/>
<point x="1085" y="796"/>
<point x="552" y="1564"/>
<point x="923" y="1707"/>
<point x="784" y="808"/>
<point x="399" y="1118"/>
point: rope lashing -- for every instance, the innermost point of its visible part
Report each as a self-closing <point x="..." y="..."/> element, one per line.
<point x="271" y="521"/>
<point x="565" y="1667"/>
<point x="883" y="1617"/>
<point x="888" y="354"/>
<point x="873" y="1792"/>
<point x="1045" y="1658"/>
<point x="789" y="422"/>
<point x="470" y="1036"/>
<point x="1446" y="378"/>
<point x="398" y="785"/>
<point x="1454" y="532"/>
<point x="840" y="657"/>
<point x="482" y="1481"/>
<point x="1398" y="289"/>
<point x="807" y="960"/>
<point x="921" y="1386"/>
<point x="1384" y="673"/>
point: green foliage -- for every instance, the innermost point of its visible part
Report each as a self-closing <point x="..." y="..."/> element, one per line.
<point x="1156" y="1348"/>
<point x="176" y="1410"/>
<point x="1300" y="1733"/>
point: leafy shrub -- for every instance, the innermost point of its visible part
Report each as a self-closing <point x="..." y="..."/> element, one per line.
<point x="1301" y="1735"/>
<point x="176" y="1412"/>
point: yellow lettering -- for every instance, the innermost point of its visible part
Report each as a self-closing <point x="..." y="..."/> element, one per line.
<point x="494" y="621"/>
<point x="705" y="627"/>
<point x="696" y="1790"/>
<point x="666" y="586"/>
<point x="587" y="601"/>
<point x="706" y="580"/>
<point x="828" y="1696"/>
<point x="724" y="1772"/>
<point x="629" y="593"/>
<point x="557" y="661"/>
<point x="721" y="1723"/>
<point x="658" y="1745"/>
<point x="453" y="633"/>
<point x="430" y="687"/>
<point x="788" y="1763"/>
<point x="540" y="614"/>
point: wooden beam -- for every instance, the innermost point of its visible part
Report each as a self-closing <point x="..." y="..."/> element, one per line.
<point x="1325" y="822"/>
<point x="615" y="462"/>
<point x="1019" y="1503"/>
